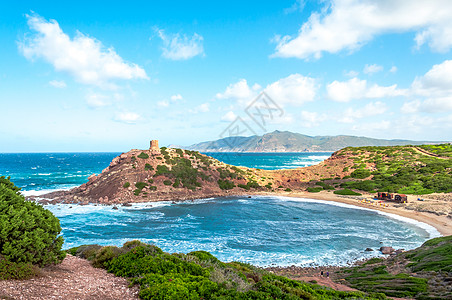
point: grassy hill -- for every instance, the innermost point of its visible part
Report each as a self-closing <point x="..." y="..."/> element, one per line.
<point x="422" y="273"/>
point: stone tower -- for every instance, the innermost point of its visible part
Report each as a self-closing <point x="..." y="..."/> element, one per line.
<point x="154" y="146"/>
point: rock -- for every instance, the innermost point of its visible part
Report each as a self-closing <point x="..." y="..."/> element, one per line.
<point x="387" y="250"/>
<point x="92" y="177"/>
<point x="114" y="207"/>
<point x="369" y="249"/>
<point x="126" y="204"/>
<point x="399" y="251"/>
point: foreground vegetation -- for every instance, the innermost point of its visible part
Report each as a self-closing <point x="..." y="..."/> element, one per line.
<point x="422" y="273"/>
<point x="29" y="234"/>
<point x="200" y="275"/>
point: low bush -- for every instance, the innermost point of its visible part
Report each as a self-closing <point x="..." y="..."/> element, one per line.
<point x="347" y="192"/>
<point x="167" y="182"/>
<point x="143" y="155"/>
<point x="225" y="184"/>
<point x="314" y="189"/>
<point x="148" y="167"/>
<point x="126" y="185"/>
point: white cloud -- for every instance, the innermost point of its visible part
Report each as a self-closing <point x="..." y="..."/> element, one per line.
<point x="128" y="117"/>
<point x="60" y="84"/>
<point x="229" y="116"/>
<point x="348" y="24"/>
<point x="351" y="73"/>
<point x="344" y="91"/>
<point x="240" y="91"/>
<point x="97" y="100"/>
<point x="202" y="108"/>
<point x="312" y="119"/>
<point x="436" y="89"/>
<point x="163" y="103"/>
<point x="85" y="58"/>
<point x="176" y="97"/>
<point x="294" y="89"/>
<point x="181" y="47"/>
<point x="370" y="69"/>
<point x="371" y="109"/>
<point x="393" y="69"/>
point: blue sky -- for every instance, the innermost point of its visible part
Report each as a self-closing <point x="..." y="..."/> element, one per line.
<point x="87" y="76"/>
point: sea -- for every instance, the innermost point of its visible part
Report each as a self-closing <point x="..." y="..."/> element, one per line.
<point x="261" y="230"/>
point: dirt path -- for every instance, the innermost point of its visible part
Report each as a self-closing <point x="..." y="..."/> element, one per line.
<point x="425" y="152"/>
<point x="73" y="279"/>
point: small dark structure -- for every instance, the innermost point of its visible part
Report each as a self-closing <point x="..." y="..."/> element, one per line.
<point x="400" y="198"/>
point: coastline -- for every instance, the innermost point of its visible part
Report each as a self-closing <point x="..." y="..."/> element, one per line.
<point x="442" y="223"/>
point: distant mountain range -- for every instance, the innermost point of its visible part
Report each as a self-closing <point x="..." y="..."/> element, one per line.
<point x="285" y="141"/>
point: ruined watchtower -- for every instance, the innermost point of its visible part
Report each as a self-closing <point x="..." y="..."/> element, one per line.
<point x="154" y="147"/>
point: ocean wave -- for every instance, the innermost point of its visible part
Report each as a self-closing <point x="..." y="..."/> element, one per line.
<point x="432" y="231"/>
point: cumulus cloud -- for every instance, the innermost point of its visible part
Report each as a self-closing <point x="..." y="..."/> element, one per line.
<point x="371" y="109"/>
<point x="370" y="69"/>
<point x="83" y="57"/>
<point x="60" y="84"/>
<point x="181" y="47"/>
<point x="294" y="89"/>
<point x="435" y="88"/>
<point x="348" y="24"/>
<point x="127" y="117"/>
<point x="229" y="116"/>
<point x="393" y="69"/>
<point x="240" y="91"/>
<point x="344" y="91"/>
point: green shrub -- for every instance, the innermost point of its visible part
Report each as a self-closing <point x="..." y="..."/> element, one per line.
<point x="151" y="180"/>
<point x="225" y="184"/>
<point x="143" y="155"/>
<point x="148" y="167"/>
<point x="126" y="185"/>
<point x="28" y="232"/>
<point x="140" y="185"/>
<point x="152" y="188"/>
<point x="314" y="189"/>
<point x="167" y="182"/>
<point x="288" y="190"/>
<point x="360" y="173"/>
<point x="176" y="183"/>
<point x="347" y="192"/>
<point x="104" y="255"/>
<point x="244" y="186"/>
<point x="16" y="270"/>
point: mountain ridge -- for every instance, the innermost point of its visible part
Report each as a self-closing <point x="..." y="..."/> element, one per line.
<point x="286" y="141"/>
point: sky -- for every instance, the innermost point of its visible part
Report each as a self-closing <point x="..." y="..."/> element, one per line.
<point x="80" y="76"/>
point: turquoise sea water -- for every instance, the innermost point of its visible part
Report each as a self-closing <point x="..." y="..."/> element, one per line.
<point x="260" y="230"/>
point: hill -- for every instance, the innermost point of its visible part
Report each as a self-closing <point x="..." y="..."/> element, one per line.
<point x="176" y="174"/>
<point x="285" y="141"/>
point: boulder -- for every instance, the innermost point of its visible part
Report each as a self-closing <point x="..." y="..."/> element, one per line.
<point x="369" y="249"/>
<point x="387" y="250"/>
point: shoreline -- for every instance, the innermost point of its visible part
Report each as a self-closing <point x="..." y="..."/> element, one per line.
<point x="441" y="223"/>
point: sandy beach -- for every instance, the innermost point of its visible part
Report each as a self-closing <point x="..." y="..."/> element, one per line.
<point x="442" y="222"/>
